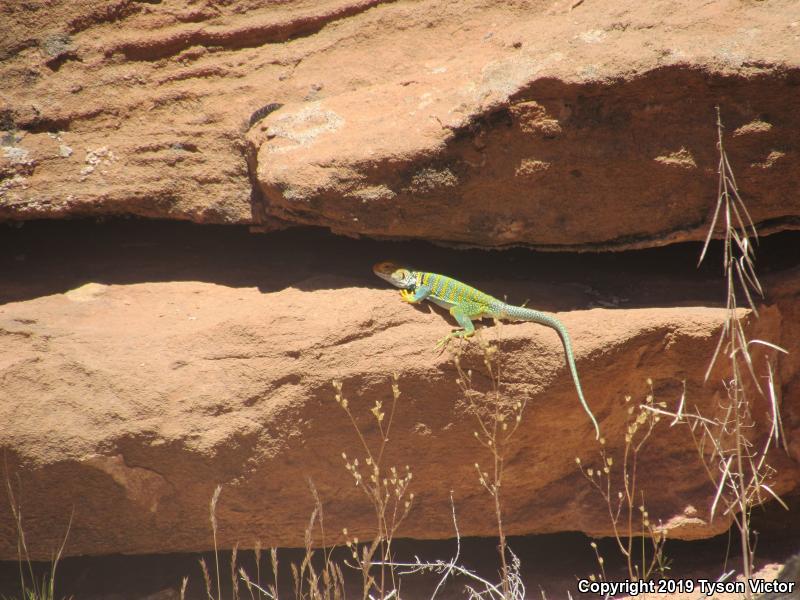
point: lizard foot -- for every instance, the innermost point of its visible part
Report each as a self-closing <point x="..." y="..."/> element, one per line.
<point x="441" y="345"/>
<point x="407" y="296"/>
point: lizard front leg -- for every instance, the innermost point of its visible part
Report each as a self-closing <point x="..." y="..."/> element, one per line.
<point x="418" y="295"/>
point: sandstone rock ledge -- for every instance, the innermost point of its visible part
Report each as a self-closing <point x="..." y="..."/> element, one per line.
<point x="131" y="402"/>
<point x="555" y="124"/>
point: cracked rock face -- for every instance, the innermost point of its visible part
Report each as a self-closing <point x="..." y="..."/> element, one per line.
<point x="554" y="124"/>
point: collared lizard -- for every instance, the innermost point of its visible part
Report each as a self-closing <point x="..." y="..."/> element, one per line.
<point x="466" y="303"/>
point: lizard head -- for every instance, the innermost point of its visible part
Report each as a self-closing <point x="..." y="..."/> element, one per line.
<point x="398" y="276"/>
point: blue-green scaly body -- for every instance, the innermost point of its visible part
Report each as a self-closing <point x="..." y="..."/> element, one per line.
<point x="466" y="303"/>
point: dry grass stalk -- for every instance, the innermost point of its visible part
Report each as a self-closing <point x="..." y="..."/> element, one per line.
<point x="743" y="473"/>
<point x="310" y="582"/>
<point x="30" y="587"/>
<point x="735" y="465"/>
<point x="386" y="488"/>
<point x="213" y="510"/>
<point x="627" y="509"/>
<point x="498" y="418"/>
<point x="495" y="434"/>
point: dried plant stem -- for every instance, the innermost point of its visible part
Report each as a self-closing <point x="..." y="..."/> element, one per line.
<point x="387" y="490"/>
<point x="213" y="507"/>
<point x="627" y="511"/>
<point x="30" y="588"/>
<point x="736" y="467"/>
<point x="495" y="432"/>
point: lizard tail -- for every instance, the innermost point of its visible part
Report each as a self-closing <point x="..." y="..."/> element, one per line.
<point x="518" y="313"/>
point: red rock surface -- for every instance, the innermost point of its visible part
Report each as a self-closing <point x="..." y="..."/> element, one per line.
<point x="557" y="124"/>
<point x="137" y="375"/>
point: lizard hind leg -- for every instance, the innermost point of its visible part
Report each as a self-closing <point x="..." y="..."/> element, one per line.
<point x="467" y="327"/>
